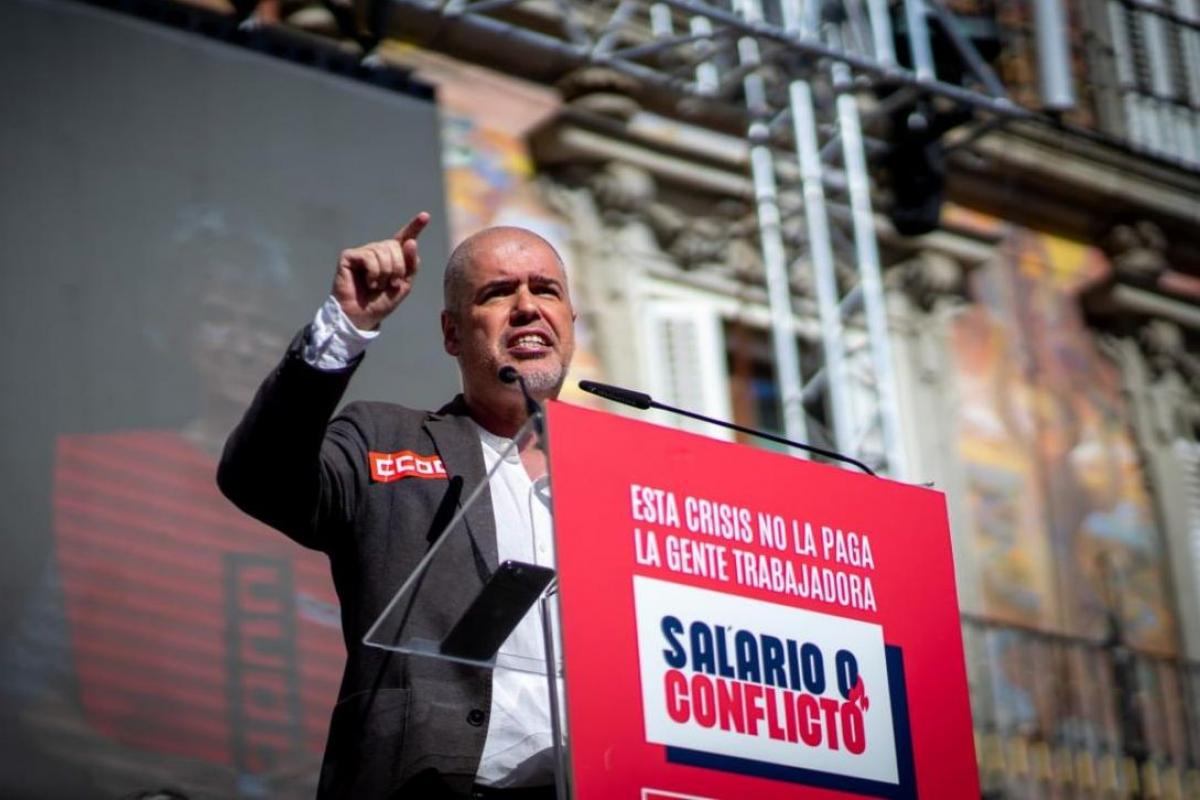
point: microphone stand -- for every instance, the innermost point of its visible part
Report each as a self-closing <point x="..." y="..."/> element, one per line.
<point x="509" y="374"/>
<point x="644" y="401"/>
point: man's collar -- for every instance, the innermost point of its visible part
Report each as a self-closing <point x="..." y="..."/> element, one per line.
<point x="499" y="445"/>
<point x="457" y="407"/>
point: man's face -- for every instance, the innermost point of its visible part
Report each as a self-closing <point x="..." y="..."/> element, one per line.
<point x="514" y="310"/>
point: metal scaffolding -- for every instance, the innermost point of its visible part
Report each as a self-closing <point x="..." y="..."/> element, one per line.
<point x="809" y="63"/>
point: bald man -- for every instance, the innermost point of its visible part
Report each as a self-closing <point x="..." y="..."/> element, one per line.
<point x="404" y="726"/>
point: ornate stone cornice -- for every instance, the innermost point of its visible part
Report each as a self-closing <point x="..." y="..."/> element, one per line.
<point x="1143" y="289"/>
<point x="688" y="186"/>
<point x="1079" y="185"/>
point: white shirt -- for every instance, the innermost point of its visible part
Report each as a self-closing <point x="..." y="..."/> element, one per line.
<point x="519" y="746"/>
<point x="518" y="750"/>
<point x="333" y="341"/>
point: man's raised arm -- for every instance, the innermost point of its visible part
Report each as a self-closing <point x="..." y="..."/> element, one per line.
<point x="284" y="464"/>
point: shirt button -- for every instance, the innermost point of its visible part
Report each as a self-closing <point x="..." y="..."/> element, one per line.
<point x="476" y="717"/>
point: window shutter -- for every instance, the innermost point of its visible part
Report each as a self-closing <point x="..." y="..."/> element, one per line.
<point x="1188" y="455"/>
<point x="687" y="363"/>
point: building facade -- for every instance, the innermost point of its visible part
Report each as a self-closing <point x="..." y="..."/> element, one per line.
<point x="1044" y="332"/>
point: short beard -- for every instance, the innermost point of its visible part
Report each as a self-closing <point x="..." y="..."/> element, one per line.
<point x="545" y="382"/>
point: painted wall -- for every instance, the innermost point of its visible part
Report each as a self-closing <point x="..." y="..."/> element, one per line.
<point x="1062" y="523"/>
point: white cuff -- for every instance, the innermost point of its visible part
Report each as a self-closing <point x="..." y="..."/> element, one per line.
<point x="333" y="341"/>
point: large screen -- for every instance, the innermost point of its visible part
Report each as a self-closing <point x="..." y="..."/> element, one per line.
<point x="171" y="210"/>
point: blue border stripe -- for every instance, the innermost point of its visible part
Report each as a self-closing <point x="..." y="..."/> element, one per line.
<point x="905" y="768"/>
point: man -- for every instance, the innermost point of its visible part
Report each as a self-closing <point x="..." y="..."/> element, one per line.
<point x="414" y="726"/>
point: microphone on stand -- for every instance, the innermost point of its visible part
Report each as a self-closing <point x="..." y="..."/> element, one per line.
<point x="644" y="401"/>
<point x="509" y="374"/>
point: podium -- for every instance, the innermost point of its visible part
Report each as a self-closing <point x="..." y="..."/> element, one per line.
<point x="734" y="623"/>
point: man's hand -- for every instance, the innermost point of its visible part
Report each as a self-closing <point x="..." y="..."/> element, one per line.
<point x="373" y="279"/>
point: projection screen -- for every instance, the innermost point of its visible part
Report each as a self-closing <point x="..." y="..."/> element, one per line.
<point x="172" y="207"/>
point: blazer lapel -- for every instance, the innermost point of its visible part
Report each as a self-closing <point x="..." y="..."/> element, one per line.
<point x="458" y="445"/>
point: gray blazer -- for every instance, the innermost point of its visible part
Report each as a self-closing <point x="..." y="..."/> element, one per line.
<point x="404" y="726"/>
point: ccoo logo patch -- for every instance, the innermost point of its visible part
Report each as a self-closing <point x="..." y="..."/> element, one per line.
<point x="388" y="467"/>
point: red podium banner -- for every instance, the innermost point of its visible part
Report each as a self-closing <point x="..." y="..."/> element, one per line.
<point x="744" y="624"/>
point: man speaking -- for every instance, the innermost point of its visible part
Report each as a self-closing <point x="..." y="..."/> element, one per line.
<point x="411" y="726"/>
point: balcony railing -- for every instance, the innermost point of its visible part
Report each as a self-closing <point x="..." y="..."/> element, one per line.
<point x="1135" y="67"/>
<point x="1061" y="716"/>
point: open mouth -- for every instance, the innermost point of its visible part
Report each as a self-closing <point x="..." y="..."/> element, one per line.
<point x="529" y="344"/>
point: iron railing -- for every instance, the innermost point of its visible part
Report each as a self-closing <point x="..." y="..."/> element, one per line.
<point x="1060" y="716"/>
<point x="1135" y="68"/>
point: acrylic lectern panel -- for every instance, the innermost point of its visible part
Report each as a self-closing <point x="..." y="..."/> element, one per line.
<point x="497" y="621"/>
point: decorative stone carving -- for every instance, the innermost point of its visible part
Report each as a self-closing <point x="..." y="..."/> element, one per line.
<point x="929" y="279"/>
<point x="1137" y="251"/>
<point x="724" y="240"/>
<point x="602" y="91"/>
<point x="622" y="189"/>
<point x="1175" y="379"/>
<point x="1166" y="350"/>
<point x="745" y="259"/>
<point x="698" y="241"/>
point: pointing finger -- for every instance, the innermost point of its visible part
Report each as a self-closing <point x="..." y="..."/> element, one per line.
<point x="411" y="257"/>
<point x="414" y="227"/>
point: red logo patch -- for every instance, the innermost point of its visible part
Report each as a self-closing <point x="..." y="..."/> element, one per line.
<point x="388" y="467"/>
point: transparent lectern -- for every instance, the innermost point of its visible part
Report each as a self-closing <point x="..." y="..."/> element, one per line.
<point x="511" y="623"/>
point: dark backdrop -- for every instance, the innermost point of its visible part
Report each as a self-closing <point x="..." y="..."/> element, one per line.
<point x="171" y="208"/>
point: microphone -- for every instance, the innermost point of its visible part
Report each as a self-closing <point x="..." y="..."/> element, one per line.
<point x="644" y="401"/>
<point x="509" y="374"/>
<point x="618" y="394"/>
